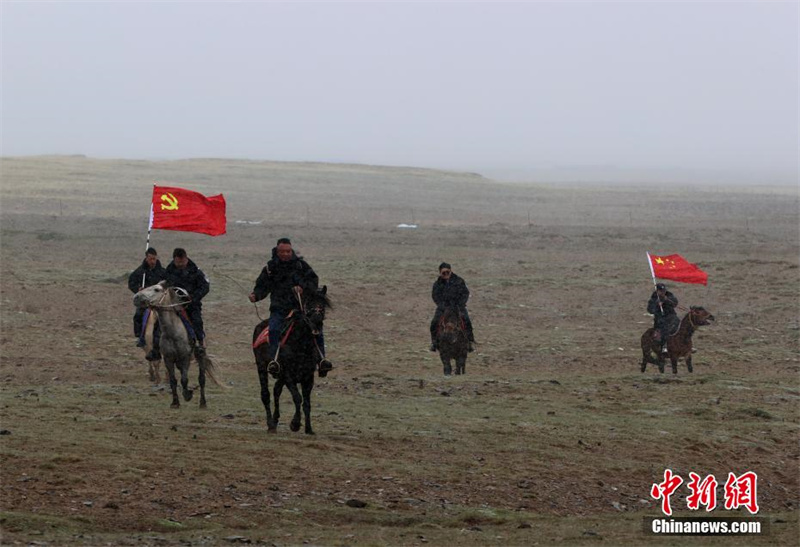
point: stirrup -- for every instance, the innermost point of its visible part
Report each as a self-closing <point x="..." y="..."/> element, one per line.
<point x="274" y="367"/>
<point x="325" y="367"/>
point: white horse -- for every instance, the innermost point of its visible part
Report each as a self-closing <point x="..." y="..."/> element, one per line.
<point x="176" y="346"/>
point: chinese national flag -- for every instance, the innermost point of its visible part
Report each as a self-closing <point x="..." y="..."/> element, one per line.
<point x="676" y="268"/>
<point x="187" y="211"/>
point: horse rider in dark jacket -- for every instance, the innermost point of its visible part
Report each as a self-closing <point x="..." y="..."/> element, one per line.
<point x="183" y="272"/>
<point x="285" y="277"/>
<point x="662" y="305"/>
<point x="148" y="273"/>
<point x="450" y="291"/>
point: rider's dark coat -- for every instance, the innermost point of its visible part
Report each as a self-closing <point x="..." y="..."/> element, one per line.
<point x="191" y="279"/>
<point x="151" y="277"/>
<point x="664" y="314"/>
<point x="277" y="279"/>
<point x="194" y="281"/>
<point x="452" y="293"/>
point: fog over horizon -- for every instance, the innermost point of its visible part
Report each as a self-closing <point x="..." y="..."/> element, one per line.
<point x="655" y="92"/>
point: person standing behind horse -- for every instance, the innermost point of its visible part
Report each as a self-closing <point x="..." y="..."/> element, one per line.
<point x="183" y="272"/>
<point x="285" y="278"/>
<point x="662" y="305"/>
<point x="148" y="273"/>
<point x="450" y="291"/>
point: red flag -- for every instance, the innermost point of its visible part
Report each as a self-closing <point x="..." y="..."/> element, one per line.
<point x="187" y="211"/>
<point x="677" y="268"/>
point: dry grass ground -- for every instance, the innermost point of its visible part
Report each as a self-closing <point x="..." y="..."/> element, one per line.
<point x="552" y="436"/>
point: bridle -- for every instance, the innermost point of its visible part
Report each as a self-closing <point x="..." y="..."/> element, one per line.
<point x="181" y="294"/>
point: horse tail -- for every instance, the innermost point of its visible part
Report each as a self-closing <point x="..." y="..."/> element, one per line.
<point x="211" y="370"/>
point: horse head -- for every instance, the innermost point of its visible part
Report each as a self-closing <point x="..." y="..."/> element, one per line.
<point x="451" y="320"/>
<point x="699" y="316"/>
<point x="315" y="307"/>
<point x="152" y="296"/>
<point x="160" y="295"/>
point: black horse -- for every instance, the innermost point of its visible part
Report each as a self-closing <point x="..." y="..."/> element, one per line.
<point x="298" y="357"/>
<point x="452" y="341"/>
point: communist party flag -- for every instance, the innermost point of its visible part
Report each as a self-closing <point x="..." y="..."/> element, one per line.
<point x="677" y="268"/>
<point x="187" y="211"/>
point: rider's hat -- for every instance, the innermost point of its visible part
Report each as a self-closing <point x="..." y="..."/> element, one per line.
<point x="661" y="287"/>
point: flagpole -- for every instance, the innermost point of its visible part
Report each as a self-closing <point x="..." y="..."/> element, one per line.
<point x="653" y="273"/>
<point x="149" y="229"/>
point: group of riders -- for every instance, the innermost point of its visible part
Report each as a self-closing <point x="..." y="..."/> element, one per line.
<point x="286" y="277"/>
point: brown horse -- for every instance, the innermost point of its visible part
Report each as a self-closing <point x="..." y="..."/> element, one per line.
<point x="452" y="341"/>
<point x="679" y="344"/>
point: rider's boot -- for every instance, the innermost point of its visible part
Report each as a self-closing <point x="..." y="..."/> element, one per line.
<point x="325" y="367"/>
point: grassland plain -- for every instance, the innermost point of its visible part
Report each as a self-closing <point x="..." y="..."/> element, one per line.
<point x="552" y="436"/>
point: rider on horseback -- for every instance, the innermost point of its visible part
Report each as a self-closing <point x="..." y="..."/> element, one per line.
<point x="662" y="305"/>
<point x="285" y="278"/>
<point x="450" y="291"/>
<point x="182" y="272"/>
<point x="149" y="273"/>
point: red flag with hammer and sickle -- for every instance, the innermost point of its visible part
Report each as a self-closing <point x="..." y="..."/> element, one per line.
<point x="186" y="211"/>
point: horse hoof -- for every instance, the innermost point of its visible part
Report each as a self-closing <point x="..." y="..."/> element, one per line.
<point x="310" y="431"/>
<point x="187" y="394"/>
<point x="175" y="405"/>
<point x="272" y="430"/>
<point x="203" y="404"/>
<point x="294" y="426"/>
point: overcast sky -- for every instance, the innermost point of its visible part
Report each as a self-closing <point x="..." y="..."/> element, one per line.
<point x="660" y="90"/>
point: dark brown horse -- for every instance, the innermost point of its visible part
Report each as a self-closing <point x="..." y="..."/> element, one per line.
<point x="452" y="341"/>
<point x="298" y="357"/>
<point x="679" y="343"/>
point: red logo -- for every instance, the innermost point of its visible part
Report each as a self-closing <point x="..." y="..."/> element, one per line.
<point x="740" y="491"/>
<point x="664" y="490"/>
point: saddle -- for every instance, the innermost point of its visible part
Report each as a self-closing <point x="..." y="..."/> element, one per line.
<point x="668" y="328"/>
<point x="263" y="337"/>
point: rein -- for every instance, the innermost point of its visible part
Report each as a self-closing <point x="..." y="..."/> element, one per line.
<point x="181" y="293"/>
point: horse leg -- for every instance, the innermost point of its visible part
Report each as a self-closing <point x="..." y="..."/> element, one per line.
<point x="307" y="386"/>
<point x="263" y="377"/>
<point x="660" y="363"/>
<point x="674" y="364"/>
<point x="173" y="384"/>
<point x="294" y="425"/>
<point x="276" y="396"/>
<point x="187" y="393"/>
<point x="448" y="369"/>
<point x="461" y="364"/>
<point x="689" y="363"/>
